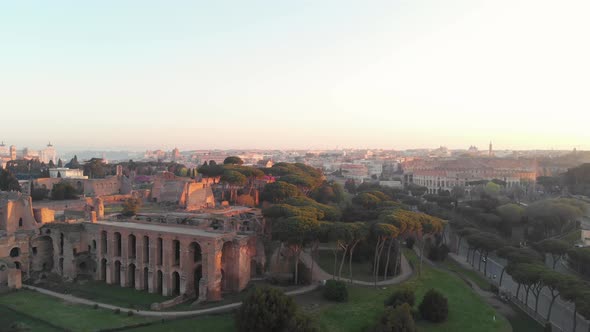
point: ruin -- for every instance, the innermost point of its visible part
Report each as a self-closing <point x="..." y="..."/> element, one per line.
<point x="195" y="255"/>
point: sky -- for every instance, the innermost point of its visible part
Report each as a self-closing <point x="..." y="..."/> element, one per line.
<point x="317" y="74"/>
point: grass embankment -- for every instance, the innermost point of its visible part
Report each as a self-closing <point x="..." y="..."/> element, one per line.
<point x="360" y="271"/>
<point x="45" y="311"/>
<point x="520" y="321"/>
<point x="472" y="275"/>
<point x="467" y="311"/>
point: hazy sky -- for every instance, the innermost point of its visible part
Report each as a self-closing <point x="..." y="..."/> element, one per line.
<point x="295" y="74"/>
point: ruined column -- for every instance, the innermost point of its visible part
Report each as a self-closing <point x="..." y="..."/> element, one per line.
<point x="212" y="271"/>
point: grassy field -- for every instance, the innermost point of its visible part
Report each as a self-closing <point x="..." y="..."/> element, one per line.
<point x="10" y="320"/>
<point x="360" y="271"/>
<point x="110" y="294"/>
<point x="467" y="311"/>
<point x="39" y="308"/>
<point x="220" y="323"/>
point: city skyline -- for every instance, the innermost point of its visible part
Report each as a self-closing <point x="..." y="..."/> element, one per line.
<point x="387" y="74"/>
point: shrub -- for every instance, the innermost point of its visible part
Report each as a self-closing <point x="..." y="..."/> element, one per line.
<point x="265" y="309"/>
<point x="434" y="307"/>
<point x="397" y="319"/>
<point x="117" y="311"/>
<point x="95" y="306"/>
<point x="410" y="242"/>
<point x="335" y="290"/>
<point x="400" y="297"/>
<point x="129" y="313"/>
<point x="548" y="327"/>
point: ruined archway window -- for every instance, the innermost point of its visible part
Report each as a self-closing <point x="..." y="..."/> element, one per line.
<point x="17" y="265"/>
<point x="61" y="243"/>
<point x="196" y="251"/>
<point x="176" y="248"/>
<point x="132" y="246"/>
<point x="118" y="244"/>
<point x="20" y="222"/>
<point x="103" y="242"/>
<point x="160" y="251"/>
<point x="15" y="252"/>
<point x="146" y="249"/>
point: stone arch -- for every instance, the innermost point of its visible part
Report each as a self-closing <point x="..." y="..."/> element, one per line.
<point x="103" y="269"/>
<point x="132" y="246"/>
<point x="131" y="275"/>
<point x="94" y="245"/>
<point x="118" y="244"/>
<point x="146" y="249"/>
<point x="61" y="265"/>
<point x="103" y="242"/>
<point x="117" y="274"/>
<point x="146" y="277"/>
<point x="195" y="252"/>
<point x="176" y="252"/>
<point x="15" y="252"/>
<point x="61" y="243"/>
<point x="159" y="282"/>
<point x="17" y="265"/>
<point x="229" y="267"/>
<point x="175" y="283"/>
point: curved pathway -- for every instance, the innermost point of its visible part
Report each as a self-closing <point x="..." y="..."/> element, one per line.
<point x="319" y="274"/>
<point x="158" y="314"/>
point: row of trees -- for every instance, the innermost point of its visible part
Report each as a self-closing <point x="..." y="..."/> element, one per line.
<point x="527" y="267"/>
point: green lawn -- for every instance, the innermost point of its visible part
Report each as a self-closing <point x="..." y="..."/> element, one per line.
<point x="9" y="320"/>
<point x="101" y="292"/>
<point x="360" y="271"/>
<point x="467" y="311"/>
<point x="221" y="323"/>
<point x="65" y="315"/>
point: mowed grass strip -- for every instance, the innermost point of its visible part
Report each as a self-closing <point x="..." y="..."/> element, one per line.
<point x="66" y="315"/>
<point x="467" y="311"/>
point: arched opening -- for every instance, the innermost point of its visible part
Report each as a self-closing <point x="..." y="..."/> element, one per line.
<point x="176" y="251"/>
<point x="229" y="267"/>
<point x="146" y="274"/>
<point x="94" y="245"/>
<point x="61" y="266"/>
<point x="20" y="222"/>
<point x="131" y="276"/>
<point x="195" y="252"/>
<point x="118" y="244"/>
<point x="61" y="243"/>
<point x="160" y="251"/>
<point x="146" y="249"/>
<point x="197" y="278"/>
<point x="17" y="265"/>
<point x="131" y="246"/>
<point x="253" y="268"/>
<point x="175" y="283"/>
<point x="15" y="252"/>
<point x="117" y="279"/>
<point x="103" y="269"/>
<point x="159" y="282"/>
<point x="103" y="242"/>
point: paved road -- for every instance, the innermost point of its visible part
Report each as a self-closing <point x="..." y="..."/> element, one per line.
<point x="562" y="313"/>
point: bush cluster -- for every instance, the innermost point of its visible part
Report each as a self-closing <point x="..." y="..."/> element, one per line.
<point x="434" y="307"/>
<point x="400" y="297"/>
<point x="335" y="290"/>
